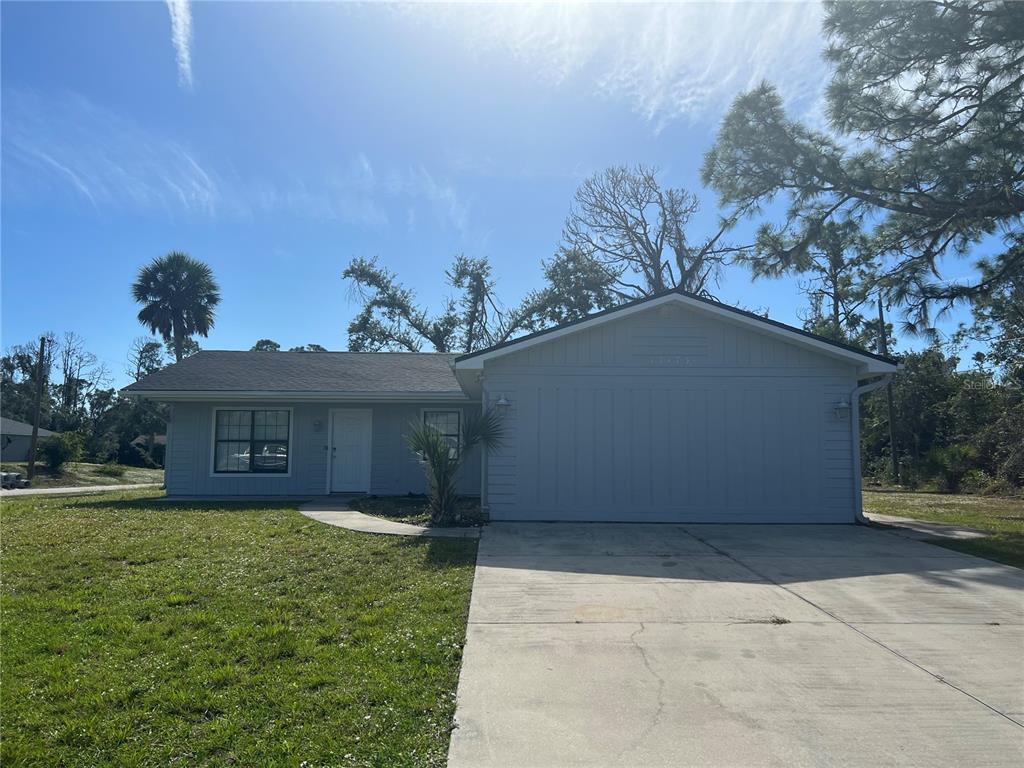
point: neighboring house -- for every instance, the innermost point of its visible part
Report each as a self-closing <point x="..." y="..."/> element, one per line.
<point x="16" y="439"/>
<point x="156" y="452"/>
<point x="670" y="408"/>
<point x="142" y="441"/>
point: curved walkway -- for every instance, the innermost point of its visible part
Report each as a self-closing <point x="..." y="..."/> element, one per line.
<point x="338" y="512"/>
<point x="923" y="529"/>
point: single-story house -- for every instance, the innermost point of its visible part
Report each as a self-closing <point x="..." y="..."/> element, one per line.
<point x="16" y="439"/>
<point x="669" y="408"/>
<point x="154" y="452"/>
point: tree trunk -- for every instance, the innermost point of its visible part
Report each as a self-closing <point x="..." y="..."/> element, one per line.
<point x="179" y="346"/>
<point x="883" y="348"/>
<point x="31" y="470"/>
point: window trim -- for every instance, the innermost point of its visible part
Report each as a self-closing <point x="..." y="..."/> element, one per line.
<point x="462" y="422"/>
<point x="247" y="407"/>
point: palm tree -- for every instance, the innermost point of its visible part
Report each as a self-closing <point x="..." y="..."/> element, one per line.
<point x="178" y="295"/>
<point x="441" y="462"/>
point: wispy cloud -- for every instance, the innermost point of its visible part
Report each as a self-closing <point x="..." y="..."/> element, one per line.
<point x="361" y="194"/>
<point x="70" y="146"/>
<point x="181" y="37"/>
<point x="439" y="197"/>
<point x="68" y="143"/>
<point x="668" y="62"/>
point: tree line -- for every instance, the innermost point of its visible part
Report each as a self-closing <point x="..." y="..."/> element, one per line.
<point x="97" y="422"/>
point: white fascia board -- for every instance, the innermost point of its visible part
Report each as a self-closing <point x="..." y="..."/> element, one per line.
<point x="300" y="397"/>
<point x="868" y="363"/>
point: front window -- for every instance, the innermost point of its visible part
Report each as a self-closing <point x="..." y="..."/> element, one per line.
<point x="251" y="441"/>
<point x="448" y="423"/>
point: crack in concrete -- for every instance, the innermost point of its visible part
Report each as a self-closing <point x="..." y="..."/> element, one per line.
<point x="860" y="632"/>
<point x="660" y="698"/>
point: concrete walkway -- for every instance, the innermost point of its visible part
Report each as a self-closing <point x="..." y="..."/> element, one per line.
<point x="75" y="490"/>
<point x="921" y="529"/>
<point x="336" y="511"/>
<point x="724" y="645"/>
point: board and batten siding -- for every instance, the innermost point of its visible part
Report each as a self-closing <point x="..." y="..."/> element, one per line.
<point x="394" y="469"/>
<point x="671" y="415"/>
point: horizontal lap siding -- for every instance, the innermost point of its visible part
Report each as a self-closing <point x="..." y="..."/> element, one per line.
<point x="717" y="423"/>
<point x="394" y="470"/>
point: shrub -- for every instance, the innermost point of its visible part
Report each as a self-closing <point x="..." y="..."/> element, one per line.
<point x="441" y="464"/>
<point x="111" y="469"/>
<point x="975" y="481"/>
<point x="1012" y="468"/>
<point x="58" y="450"/>
<point x="951" y="464"/>
<point x="1002" y="487"/>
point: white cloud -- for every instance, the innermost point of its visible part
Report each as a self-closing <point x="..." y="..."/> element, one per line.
<point x="67" y="142"/>
<point x="441" y="198"/>
<point x="669" y="62"/>
<point x="181" y="37"/>
<point x="68" y="145"/>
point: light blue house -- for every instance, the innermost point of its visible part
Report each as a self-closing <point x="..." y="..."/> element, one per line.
<point x="671" y="408"/>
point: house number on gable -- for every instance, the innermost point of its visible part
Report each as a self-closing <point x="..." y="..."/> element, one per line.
<point x="669" y="361"/>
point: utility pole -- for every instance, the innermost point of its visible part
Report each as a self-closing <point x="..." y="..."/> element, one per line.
<point x="40" y="367"/>
<point x="883" y="348"/>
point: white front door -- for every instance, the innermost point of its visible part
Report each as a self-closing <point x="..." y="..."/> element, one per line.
<point x="350" y="450"/>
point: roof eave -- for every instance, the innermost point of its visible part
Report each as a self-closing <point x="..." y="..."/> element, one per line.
<point x="223" y="395"/>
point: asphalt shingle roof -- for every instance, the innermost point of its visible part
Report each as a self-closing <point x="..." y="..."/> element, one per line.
<point x="12" y="427"/>
<point x="342" y="372"/>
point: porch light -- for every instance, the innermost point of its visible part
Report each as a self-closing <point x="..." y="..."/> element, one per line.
<point x="842" y="409"/>
<point x="503" y="402"/>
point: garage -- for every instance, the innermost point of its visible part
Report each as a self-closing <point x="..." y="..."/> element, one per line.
<point x="673" y="409"/>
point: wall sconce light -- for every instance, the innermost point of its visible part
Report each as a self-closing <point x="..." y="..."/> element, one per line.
<point x="842" y="409"/>
<point x="502" y="402"/>
<point x="318" y="424"/>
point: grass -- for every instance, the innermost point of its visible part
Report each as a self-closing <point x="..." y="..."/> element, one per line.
<point x="141" y="632"/>
<point x="413" y="508"/>
<point x="85" y="474"/>
<point x="1003" y="518"/>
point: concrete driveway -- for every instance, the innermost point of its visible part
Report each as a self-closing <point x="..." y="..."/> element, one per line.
<point x="719" y="645"/>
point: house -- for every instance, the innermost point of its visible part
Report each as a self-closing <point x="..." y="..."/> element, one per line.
<point x="154" y="452"/>
<point x="669" y="408"/>
<point x="16" y="439"/>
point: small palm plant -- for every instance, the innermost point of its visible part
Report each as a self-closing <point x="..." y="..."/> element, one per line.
<point x="441" y="461"/>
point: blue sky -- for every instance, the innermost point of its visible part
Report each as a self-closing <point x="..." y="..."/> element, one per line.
<point x="276" y="142"/>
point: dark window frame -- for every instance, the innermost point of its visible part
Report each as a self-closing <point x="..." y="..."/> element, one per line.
<point x="458" y="433"/>
<point x="252" y="441"/>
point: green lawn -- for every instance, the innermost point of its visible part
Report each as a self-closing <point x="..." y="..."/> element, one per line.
<point x="1004" y="518"/>
<point x="413" y="509"/>
<point x="84" y="474"/>
<point x="143" y="632"/>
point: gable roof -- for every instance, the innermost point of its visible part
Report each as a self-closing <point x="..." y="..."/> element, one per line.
<point x="304" y="375"/>
<point x="14" y="427"/>
<point x="874" y="363"/>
